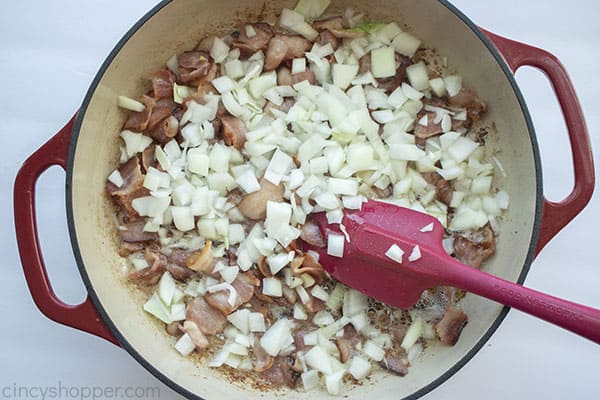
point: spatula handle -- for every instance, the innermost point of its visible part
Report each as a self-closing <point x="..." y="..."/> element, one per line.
<point x="577" y="318"/>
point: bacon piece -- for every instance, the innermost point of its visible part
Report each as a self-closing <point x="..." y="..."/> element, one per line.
<point x="132" y="187"/>
<point x="233" y="131"/>
<point x="134" y="232"/>
<point x="254" y="205"/>
<point x="395" y="360"/>
<point x="391" y="83"/>
<point x="138" y="121"/>
<point x="335" y="25"/>
<point x="262" y="360"/>
<point x="443" y="190"/>
<point x="328" y="37"/>
<point x="193" y="65"/>
<point x="475" y="247"/>
<point x="285" y="47"/>
<point x="166" y="130"/>
<point x="250" y="45"/>
<point x="286" y="78"/>
<point x="127" y="248"/>
<point x="449" y="328"/>
<point x="347" y="343"/>
<point x="162" y="109"/>
<point x="467" y="98"/>
<point x="281" y="373"/>
<point x="148" y="158"/>
<point x="156" y="266"/>
<point x="306" y="264"/>
<point x="162" y="84"/>
<point x="209" y="320"/>
<point x="432" y="129"/>
<point x="243" y="284"/>
<point x="311" y="234"/>
<point x="201" y="260"/>
<point x="198" y="338"/>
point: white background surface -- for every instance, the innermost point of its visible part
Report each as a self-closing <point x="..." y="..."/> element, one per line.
<point x="50" y="52"/>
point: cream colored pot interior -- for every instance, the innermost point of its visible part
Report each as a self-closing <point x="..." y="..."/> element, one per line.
<point x="177" y="27"/>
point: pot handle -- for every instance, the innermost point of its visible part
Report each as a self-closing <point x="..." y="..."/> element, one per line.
<point x="555" y="215"/>
<point x="83" y="316"/>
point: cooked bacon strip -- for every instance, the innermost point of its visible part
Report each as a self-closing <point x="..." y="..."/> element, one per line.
<point x="262" y="360"/>
<point x="395" y="360"/>
<point x="201" y="260"/>
<point x="127" y="248"/>
<point x="448" y="329"/>
<point x="311" y="234"/>
<point x="166" y="130"/>
<point x="285" y="47"/>
<point x="306" y="264"/>
<point x="250" y="45"/>
<point x="328" y="37"/>
<point x="233" y="131"/>
<point x="198" y="338"/>
<point x="148" y="159"/>
<point x="163" y="108"/>
<point x="244" y="285"/>
<point x="474" y="248"/>
<point x="391" y="83"/>
<point x="286" y="78"/>
<point x="162" y="83"/>
<point x="335" y="25"/>
<point x="174" y="329"/>
<point x="138" y="121"/>
<point x="347" y="343"/>
<point x="443" y="190"/>
<point x="254" y="205"/>
<point x="281" y="373"/>
<point x="208" y="320"/>
<point x="467" y="98"/>
<point x="156" y="266"/>
<point x="132" y="187"/>
<point x="134" y="232"/>
<point x="193" y="65"/>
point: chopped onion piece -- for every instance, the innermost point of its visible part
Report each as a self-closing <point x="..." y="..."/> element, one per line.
<point x="415" y="254"/>
<point x="318" y="358"/>
<point x="130" y="104"/>
<point x="272" y="287"/>
<point x="373" y="351"/>
<point x="335" y="245"/>
<point x="417" y="76"/>
<point x="343" y="74"/>
<point x="219" y="50"/>
<point x="406" y="44"/>
<point x="225" y="286"/>
<point x="240" y="319"/>
<point x="185" y="345"/>
<point x="320" y="293"/>
<point x="383" y="62"/>
<point x="300" y="313"/>
<point x="275" y="337"/>
<point x="453" y="84"/>
<point x="413" y="333"/>
<point x="333" y="382"/>
<point x="310" y="379"/>
<point x="223" y="84"/>
<point x="410" y="92"/>
<point x="395" y="253"/>
<point x="427" y="228"/>
<point x="277" y="262"/>
<point x="116" y="179"/>
<point x="438" y="86"/>
<point x="250" y="31"/>
<point x="256" y="322"/>
<point x="359" y="367"/>
<point x="298" y="65"/>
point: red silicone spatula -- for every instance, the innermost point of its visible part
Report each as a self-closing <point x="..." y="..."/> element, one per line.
<point x="365" y="267"/>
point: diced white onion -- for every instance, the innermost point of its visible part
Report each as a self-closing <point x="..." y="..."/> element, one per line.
<point x="335" y="245"/>
<point x="395" y="253"/>
<point x="130" y="104"/>
<point x="185" y="345"/>
<point x="415" y="254"/>
<point x="272" y="287"/>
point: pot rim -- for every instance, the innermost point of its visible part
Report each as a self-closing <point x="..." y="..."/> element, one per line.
<point x="172" y="383"/>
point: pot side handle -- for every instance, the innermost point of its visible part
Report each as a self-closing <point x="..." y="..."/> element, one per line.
<point x="83" y="316"/>
<point x="555" y="215"/>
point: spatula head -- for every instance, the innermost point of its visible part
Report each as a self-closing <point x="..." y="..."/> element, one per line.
<point x="371" y="231"/>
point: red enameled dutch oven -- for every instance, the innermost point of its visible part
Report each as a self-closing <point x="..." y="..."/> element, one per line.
<point x="87" y="148"/>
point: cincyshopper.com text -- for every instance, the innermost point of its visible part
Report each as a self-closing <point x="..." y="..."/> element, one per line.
<point x="72" y="392"/>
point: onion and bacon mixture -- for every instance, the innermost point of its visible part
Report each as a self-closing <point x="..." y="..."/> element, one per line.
<point x="242" y="138"/>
